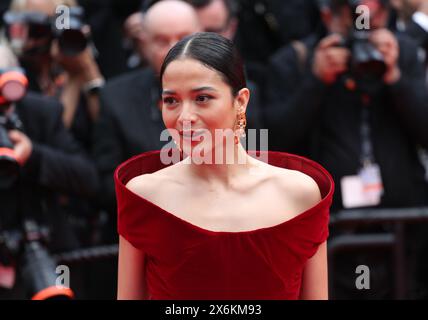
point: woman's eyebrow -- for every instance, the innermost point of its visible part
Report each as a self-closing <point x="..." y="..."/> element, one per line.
<point x="206" y="88"/>
<point x="168" y="92"/>
<point x="203" y="89"/>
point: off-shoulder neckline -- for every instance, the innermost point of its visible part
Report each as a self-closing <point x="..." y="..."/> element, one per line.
<point x="191" y="225"/>
<point x="188" y="224"/>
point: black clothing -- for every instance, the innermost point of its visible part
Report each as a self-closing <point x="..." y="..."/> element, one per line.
<point x="56" y="166"/>
<point x="267" y="25"/>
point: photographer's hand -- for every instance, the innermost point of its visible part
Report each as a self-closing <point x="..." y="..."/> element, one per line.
<point x="22" y="146"/>
<point x="330" y="60"/>
<point x="385" y="41"/>
<point x="81" y="67"/>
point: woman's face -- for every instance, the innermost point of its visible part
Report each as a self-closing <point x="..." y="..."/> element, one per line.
<point x="196" y="102"/>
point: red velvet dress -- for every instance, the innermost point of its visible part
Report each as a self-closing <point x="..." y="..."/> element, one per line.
<point x="187" y="262"/>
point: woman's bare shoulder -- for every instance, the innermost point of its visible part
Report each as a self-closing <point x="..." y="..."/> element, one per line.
<point x="148" y="185"/>
<point x="300" y="186"/>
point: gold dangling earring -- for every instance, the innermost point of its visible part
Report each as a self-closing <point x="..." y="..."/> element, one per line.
<point x="240" y="127"/>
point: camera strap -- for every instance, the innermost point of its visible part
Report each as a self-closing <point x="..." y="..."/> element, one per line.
<point x="367" y="154"/>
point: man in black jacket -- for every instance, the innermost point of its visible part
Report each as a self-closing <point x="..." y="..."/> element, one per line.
<point x="130" y="120"/>
<point x="365" y="135"/>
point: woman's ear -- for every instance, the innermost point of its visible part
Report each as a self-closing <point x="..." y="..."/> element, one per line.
<point x="242" y="99"/>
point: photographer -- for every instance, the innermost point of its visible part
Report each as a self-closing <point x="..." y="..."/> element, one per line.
<point x="359" y="122"/>
<point x="319" y="106"/>
<point x="51" y="163"/>
<point x="59" y="62"/>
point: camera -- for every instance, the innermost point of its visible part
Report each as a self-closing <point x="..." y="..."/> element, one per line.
<point x="366" y="64"/>
<point x="42" y="28"/>
<point x="13" y="85"/>
<point x="25" y="250"/>
<point x="366" y="61"/>
<point x="72" y="40"/>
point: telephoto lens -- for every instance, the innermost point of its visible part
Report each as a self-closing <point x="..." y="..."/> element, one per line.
<point x="38" y="269"/>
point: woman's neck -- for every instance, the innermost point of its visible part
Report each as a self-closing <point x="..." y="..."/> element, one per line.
<point x="225" y="170"/>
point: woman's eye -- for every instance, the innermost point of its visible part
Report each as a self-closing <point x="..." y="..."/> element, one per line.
<point x="169" y="101"/>
<point x="203" y="98"/>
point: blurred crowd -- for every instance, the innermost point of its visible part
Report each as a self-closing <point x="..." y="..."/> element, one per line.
<point x="78" y="96"/>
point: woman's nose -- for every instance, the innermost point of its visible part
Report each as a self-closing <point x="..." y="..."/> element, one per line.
<point x="187" y="115"/>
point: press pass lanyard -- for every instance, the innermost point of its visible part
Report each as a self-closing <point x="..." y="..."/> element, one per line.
<point x="370" y="171"/>
<point x="367" y="155"/>
<point x="365" y="188"/>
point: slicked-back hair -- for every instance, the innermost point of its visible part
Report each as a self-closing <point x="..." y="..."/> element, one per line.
<point x="215" y="52"/>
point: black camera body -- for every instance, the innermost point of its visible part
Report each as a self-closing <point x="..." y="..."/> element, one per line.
<point x="13" y="87"/>
<point x="9" y="166"/>
<point x="71" y="38"/>
<point x="366" y="61"/>
<point x="366" y="65"/>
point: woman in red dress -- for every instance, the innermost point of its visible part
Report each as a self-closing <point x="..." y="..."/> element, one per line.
<point x="226" y="228"/>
